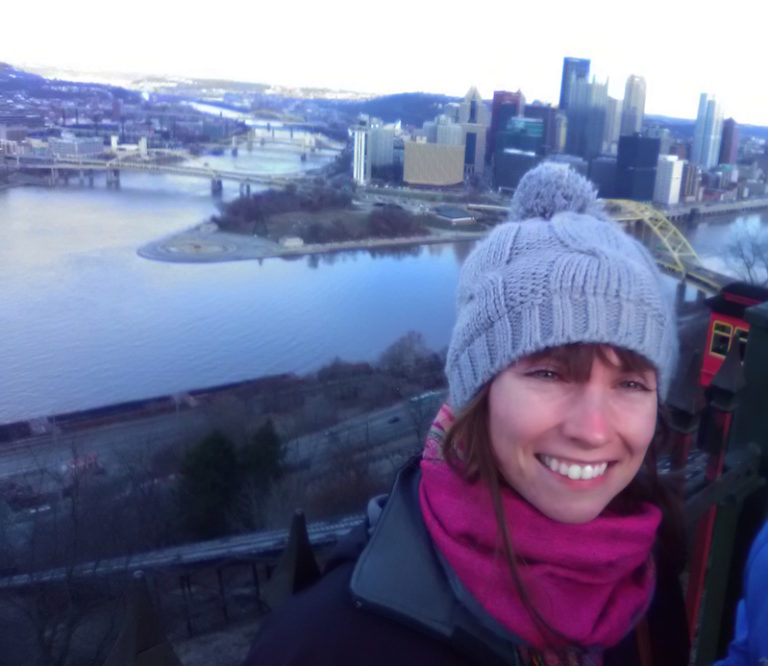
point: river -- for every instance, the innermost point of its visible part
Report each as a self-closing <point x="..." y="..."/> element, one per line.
<point x="86" y="322"/>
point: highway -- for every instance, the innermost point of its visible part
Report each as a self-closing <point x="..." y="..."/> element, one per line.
<point x="43" y="461"/>
<point x="113" y="444"/>
<point x="379" y="439"/>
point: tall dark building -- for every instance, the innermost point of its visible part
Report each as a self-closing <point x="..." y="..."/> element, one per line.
<point x="525" y="134"/>
<point x="510" y="165"/>
<point x="515" y="102"/>
<point x="519" y="147"/>
<point x="636" y="167"/>
<point x="586" y="118"/>
<point x="729" y="147"/>
<point x="573" y="68"/>
<point x="602" y="172"/>
<point x="546" y="113"/>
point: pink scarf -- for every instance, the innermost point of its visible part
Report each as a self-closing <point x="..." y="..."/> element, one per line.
<point x="592" y="583"/>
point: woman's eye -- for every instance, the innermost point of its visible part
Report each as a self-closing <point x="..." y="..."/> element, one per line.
<point x="543" y="373"/>
<point x="634" y="385"/>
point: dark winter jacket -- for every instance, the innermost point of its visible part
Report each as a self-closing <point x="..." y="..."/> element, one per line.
<point x="388" y="599"/>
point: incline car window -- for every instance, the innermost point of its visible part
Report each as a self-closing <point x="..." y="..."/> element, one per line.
<point x="721" y="338"/>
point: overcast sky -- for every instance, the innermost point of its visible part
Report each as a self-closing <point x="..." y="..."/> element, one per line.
<point x="681" y="47"/>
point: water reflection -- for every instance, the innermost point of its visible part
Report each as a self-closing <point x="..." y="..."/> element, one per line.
<point x="86" y="322"/>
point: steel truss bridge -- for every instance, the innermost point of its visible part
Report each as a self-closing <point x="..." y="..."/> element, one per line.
<point x="671" y="249"/>
<point x="157" y="161"/>
<point x="285" y="135"/>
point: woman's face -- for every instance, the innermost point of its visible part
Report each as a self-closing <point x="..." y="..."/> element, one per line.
<point x="569" y="445"/>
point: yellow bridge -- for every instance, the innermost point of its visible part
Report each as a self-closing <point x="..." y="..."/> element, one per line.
<point x="670" y="247"/>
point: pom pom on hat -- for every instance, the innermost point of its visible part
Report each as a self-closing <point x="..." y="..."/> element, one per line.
<point x="552" y="188"/>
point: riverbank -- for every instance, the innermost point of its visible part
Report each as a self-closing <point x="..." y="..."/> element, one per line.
<point x="206" y="244"/>
<point x="701" y="209"/>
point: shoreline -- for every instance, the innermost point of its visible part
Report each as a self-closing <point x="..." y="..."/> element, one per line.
<point x="714" y="208"/>
<point x="205" y="243"/>
<point x="202" y="244"/>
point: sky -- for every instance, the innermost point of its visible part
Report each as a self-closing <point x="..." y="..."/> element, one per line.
<point x="682" y="48"/>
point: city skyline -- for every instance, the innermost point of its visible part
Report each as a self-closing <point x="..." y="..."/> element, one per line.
<point x="313" y="46"/>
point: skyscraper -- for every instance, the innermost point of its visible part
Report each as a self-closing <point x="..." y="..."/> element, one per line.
<point x="634" y="105"/>
<point x="522" y="134"/>
<point x="546" y="113"/>
<point x="373" y="146"/>
<point x="587" y="109"/>
<point x="612" y="126"/>
<point x="690" y="186"/>
<point x="729" y="147"/>
<point x="361" y="163"/>
<point x="669" y="177"/>
<point x="573" y="69"/>
<point x="664" y="136"/>
<point x="707" y="133"/>
<point x="472" y="110"/>
<point x="474" y="119"/>
<point x="636" y="167"/>
<point x="502" y="97"/>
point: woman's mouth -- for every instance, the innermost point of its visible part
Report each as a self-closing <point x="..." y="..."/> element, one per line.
<point x="574" y="471"/>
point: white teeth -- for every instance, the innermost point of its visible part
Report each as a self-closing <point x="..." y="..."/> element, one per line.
<point x="551" y="463"/>
<point x="574" y="471"/>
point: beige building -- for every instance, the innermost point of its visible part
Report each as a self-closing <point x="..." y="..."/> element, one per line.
<point x="433" y="164"/>
<point x="473" y="110"/>
<point x="474" y="148"/>
<point x="474" y="118"/>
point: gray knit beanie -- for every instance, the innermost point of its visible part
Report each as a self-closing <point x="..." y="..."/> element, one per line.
<point x="561" y="274"/>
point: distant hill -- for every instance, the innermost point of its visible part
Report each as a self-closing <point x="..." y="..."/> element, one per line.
<point x="757" y="131"/>
<point x="14" y="80"/>
<point x="410" y="108"/>
<point x="682" y="128"/>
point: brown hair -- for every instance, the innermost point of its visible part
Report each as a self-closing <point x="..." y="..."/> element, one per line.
<point x="467" y="449"/>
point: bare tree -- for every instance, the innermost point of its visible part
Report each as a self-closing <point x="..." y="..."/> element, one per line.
<point x="747" y="251"/>
<point x="147" y="478"/>
<point x="60" y="617"/>
<point x="421" y="410"/>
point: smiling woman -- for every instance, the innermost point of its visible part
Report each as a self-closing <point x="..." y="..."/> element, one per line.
<point x="533" y="529"/>
<point x="570" y="441"/>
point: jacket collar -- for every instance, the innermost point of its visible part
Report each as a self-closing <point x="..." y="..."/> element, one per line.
<point x="399" y="575"/>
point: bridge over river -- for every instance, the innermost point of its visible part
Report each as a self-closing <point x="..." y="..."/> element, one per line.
<point x="671" y="249"/>
<point x="154" y="161"/>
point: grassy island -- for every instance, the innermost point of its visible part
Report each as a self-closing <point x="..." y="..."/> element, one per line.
<point x="321" y="213"/>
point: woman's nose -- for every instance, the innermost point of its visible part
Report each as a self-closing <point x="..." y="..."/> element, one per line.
<point x="587" y="422"/>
